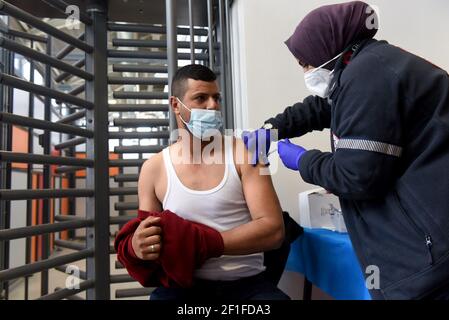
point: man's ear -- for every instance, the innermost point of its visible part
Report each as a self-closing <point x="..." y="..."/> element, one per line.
<point x="174" y="104"/>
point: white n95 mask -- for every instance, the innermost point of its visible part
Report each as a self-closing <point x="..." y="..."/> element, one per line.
<point x="203" y="123"/>
<point x="318" y="80"/>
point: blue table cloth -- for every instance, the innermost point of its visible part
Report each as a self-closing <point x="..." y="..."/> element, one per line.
<point x="327" y="259"/>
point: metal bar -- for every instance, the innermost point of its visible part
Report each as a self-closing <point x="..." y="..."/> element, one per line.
<point x="139" y="68"/>
<point x="140" y="95"/>
<point x="44" y="265"/>
<point x="140" y="122"/>
<point x="65" y="169"/>
<point x="44" y="58"/>
<point x="137" y="107"/>
<point x="67" y="217"/>
<point x="136" y="80"/>
<point x="135" y="54"/>
<point x="46" y="174"/>
<point x="29" y="175"/>
<point x="63" y="268"/>
<point x="150" y="29"/>
<point x="120" y="219"/>
<point x="75" y="298"/>
<point x="73" y="117"/>
<point x="44" y="125"/>
<point x="138" y="149"/>
<point x="97" y="178"/>
<point x="172" y="49"/>
<point x="67" y="49"/>
<point x="121" y="278"/>
<point x="126" y="163"/>
<point x="118" y="42"/>
<point x="222" y="39"/>
<point x="126" y="206"/>
<point x="210" y="14"/>
<point x="70" y="143"/>
<point x="69" y="244"/>
<point x="41" y="25"/>
<point x="139" y="135"/>
<point x="23" y="232"/>
<point x="191" y="34"/>
<point x="76" y="91"/>
<point x="9" y="156"/>
<point x="129" y="293"/>
<point x="62" y="5"/>
<point x="123" y="191"/>
<point x="65" y="75"/>
<point x="7" y="194"/>
<point x="24" y="35"/>
<point x="126" y="177"/>
<point x="307" y="290"/>
<point x="66" y="293"/>
<point x="131" y="54"/>
<point x="37" y="89"/>
<point x="228" y="70"/>
<point x="121" y="198"/>
<point x="7" y="103"/>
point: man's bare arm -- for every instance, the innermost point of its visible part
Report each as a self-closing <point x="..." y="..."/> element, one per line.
<point x="146" y="241"/>
<point x="266" y="230"/>
<point x="146" y="185"/>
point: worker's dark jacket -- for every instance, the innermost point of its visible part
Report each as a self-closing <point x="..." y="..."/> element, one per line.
<point x="389" y="118"/>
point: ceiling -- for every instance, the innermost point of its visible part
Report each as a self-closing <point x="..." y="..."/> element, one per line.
<point x="133" y="11"/>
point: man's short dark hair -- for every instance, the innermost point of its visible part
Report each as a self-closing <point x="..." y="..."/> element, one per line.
<point x="191" y="71"/>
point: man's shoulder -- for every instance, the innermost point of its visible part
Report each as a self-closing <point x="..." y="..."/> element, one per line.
<point x="153" y="163"/>
<point x="242" y="157"/>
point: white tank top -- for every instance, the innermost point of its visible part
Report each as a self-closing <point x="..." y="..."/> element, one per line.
<point x="221" y="208"/>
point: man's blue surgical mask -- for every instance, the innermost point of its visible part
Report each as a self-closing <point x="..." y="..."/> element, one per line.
<point x="203" y="123"/>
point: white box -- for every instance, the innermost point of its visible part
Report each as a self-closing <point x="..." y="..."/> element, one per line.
<point x="320" y="209"/>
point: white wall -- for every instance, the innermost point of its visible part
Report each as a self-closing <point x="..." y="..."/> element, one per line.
<point x="269" y="79"/>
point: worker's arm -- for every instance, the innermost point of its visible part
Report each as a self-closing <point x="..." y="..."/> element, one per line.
<point x="266" y="230"/>
<point x="368" y="124"/>
<point x="314" y="113"/>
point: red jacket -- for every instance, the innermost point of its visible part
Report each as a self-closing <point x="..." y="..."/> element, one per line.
<point x="185" y="247"/>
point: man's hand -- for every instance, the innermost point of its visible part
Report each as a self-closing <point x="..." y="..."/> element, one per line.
<point x="146" y="240"/>
<point x="258" y="143"/>
<point x="290" y="154"/>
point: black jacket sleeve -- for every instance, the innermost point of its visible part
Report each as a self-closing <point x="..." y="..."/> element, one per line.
<point x="368" y="125"/>
<point x="314" y="113"/>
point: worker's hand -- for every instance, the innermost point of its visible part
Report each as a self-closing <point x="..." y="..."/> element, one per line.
<point x="258" y="143"/>
<point x="146" y="240"/>
<point x="290" y="154"/>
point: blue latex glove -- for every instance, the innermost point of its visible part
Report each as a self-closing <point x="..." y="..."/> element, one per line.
<point x="258" y="143"/>
<point x="290" y="154"/>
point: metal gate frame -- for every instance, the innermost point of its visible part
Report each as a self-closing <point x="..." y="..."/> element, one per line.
<point x="96" y="279"/>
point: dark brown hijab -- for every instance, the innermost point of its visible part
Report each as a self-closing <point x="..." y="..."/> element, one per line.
<point x="328" y="30"/>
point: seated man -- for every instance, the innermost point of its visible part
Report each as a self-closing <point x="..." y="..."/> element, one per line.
<point x="206" y="185"/>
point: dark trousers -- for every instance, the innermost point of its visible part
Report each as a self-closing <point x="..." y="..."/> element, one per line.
<point x="439" y="294"/>
<point x="252" y="288"/>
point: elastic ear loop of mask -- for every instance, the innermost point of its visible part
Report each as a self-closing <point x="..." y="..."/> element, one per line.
<point x="326" y="63"/>
<point x="184" y="107"/>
